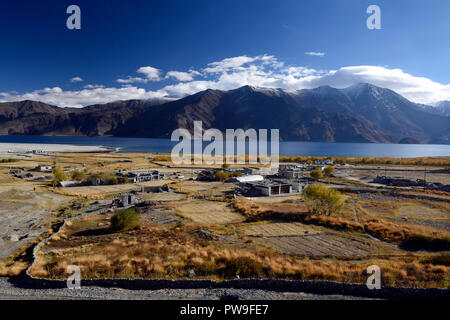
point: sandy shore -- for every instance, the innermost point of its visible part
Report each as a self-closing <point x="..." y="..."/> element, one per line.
<point x="6" y="148"/>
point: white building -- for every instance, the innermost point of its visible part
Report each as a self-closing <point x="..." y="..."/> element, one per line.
<point x="249" y="178"/>
<point x="65" y="184"/>
<point x="44" y="168"/>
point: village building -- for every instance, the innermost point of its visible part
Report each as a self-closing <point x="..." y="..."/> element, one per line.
<point x="271" y="188"/>
<point x="290" y="172"/>
<point x="142" y="176"/>
<point x="248" y="178"/>
<point x="326" y="162"/>
<point x="15" y="171"/>
<point x="66" y="184"/>
<point x="399" y="181"/>
<point x="43" y="168"/>
<point x="243" y="170"/>
<point x="127" y="199"/>
<point x="96" y="181"/>
<point x="155" y="189"/>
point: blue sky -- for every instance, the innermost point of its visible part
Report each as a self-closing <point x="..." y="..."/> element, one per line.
<point x="144" y="49"/>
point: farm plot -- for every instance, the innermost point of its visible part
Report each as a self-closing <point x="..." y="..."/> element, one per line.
<point x="279" y="229"/>
<point x="100" y="190"/>
<point x="162" y="216"/>
<point x="213" y="188"/>
<point x="109" y="189"/>
<point x="280" y="198"/>
<point x="209" y="212"/>
<point x="320" y="245"/>
<point x="421" y="212"/>
<point x="163" y="196"/>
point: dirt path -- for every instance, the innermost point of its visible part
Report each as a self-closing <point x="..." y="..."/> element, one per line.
<point x="9" y="291"/>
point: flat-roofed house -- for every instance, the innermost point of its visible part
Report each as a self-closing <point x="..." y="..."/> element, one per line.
<point x="141" y="176"/>
<point x="44" y="168"/>
<point x="248" y="178"/>
<point x="271" y="188"/>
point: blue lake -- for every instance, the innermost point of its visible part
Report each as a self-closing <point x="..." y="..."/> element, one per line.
<point x="142" y="145"/>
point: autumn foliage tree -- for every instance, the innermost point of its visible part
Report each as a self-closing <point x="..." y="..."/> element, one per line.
<point x="329" y="171"/>
<point x="322" y="200"/>
<point x="58" y="176"/>
<point x="316" y="173"/>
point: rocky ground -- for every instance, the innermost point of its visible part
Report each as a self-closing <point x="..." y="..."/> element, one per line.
<point x="9" y="291"/>
<point x="25" y="214"/>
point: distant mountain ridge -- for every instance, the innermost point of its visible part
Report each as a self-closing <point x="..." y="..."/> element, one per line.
<point x="443" y="108"/>
<point x="38" y="118"/>
<point x="360" y="113"/>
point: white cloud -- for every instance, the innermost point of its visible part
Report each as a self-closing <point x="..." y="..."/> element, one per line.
<point x="76" y="99"/>
<point x="228" y="64"/>
<point x="267" y="71"/>
<point x="230" y="73"/>
<point x="316" y="54"/>
<point x="417" y="89"/>
<point x="180" y="76"/>
<point x="152" y="74"/>
<point x="132" y="80"/>
<point x="93" y="86"/>
<point x="76" y="79"/>
<point x="186" y="88"/>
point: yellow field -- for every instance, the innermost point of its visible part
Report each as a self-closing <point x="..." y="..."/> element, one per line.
<point x="209" y="212"/>
<point x="279" y="229"/>
<point x="170" y="196"/>
<point x="421" y="212"/>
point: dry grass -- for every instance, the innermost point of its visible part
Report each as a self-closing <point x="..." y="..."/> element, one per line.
<point x="291" y="212"/>
<point x="278" y="229"/>
<point x="157" y="251"/>
<point x="415" y="237"/>
<point x="208" y="212"/>
<point x="12" y="268"/>
<point x="65" y="192"/>
<point x="421" y="212"/>
<point x="428" y="161"/>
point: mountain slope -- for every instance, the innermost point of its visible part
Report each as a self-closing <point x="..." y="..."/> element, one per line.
<point x="388" y="111"/>
<point x="441" y="108"/>
<point x="37" y="118"/>
<point x="360" y="113"/>
<point x="256" y="108"/>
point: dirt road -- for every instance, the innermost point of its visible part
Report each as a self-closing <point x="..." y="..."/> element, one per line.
<point x="9" y="291"/>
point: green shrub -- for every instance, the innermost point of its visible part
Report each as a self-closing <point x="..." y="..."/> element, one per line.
<point x="126" y="219"/>
<point x="245" y="267"/>
<point x="329" y="171"/>
<point x="316" y="173"/>
<point x="322" y="200"/>
<point x="78" y="175"/>
<point x="59" y="174"/>
<point x="222" y="175"/>
<point x="9" y="160"/>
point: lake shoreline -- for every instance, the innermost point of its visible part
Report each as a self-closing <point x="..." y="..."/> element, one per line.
<point x="42" y="148"/>
<point x="286" y="148"/>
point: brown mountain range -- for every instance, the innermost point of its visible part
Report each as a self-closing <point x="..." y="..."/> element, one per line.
<point x="360" y="113"/>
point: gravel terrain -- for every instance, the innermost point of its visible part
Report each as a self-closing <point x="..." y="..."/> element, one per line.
<point x="10" y="292"/>
<point x="25" y="214"/>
